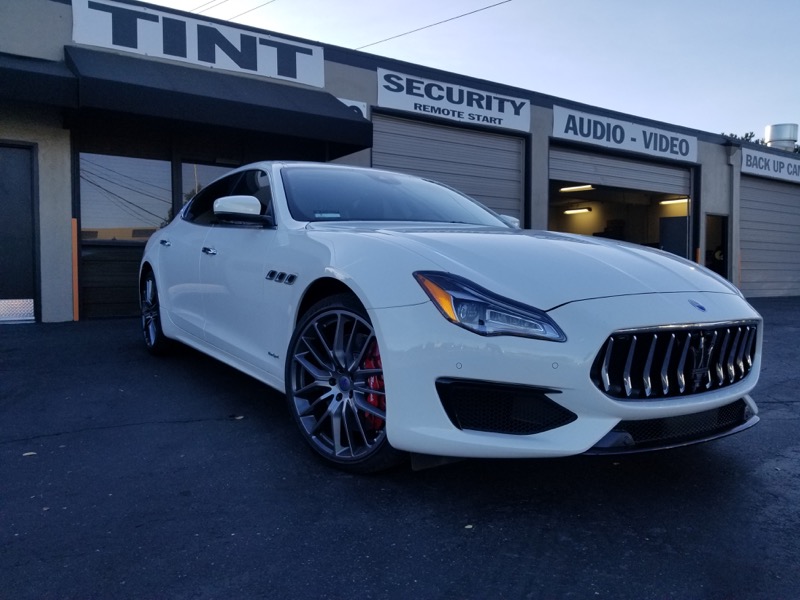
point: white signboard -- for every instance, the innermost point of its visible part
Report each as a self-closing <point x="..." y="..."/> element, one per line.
<point x="622" y="135"/>
<point x="771" y="165"/>
<point x="151" y="32"/>
<point x="453" y="102"/>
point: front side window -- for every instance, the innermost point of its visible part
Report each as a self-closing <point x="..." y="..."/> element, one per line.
<point x="247" y="183"/>
<point x="326" y="194"/>
<point x="201" y="208"/>
<point x="195" y="176"/>
<point x="255" y="183"/>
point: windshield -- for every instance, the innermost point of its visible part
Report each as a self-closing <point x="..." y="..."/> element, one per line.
<point x="328" y="194"/>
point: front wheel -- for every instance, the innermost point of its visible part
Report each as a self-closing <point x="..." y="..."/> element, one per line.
<point x="334" y="385"/>
<point x="154" y="338"/>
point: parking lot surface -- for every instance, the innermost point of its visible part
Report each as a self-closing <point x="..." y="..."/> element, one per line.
<point x="123" y="475"/>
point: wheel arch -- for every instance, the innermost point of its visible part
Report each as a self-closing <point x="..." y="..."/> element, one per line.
<point x="144" y="270"/>
<point x="322" y="288"/>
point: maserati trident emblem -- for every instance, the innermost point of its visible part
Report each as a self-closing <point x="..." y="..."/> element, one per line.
<point x="697" y="305"/>
<point x="700" y="356"/>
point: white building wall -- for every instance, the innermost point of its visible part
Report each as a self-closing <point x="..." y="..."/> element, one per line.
<point x="52" y="22"/>
<point x="43" y="127"/>
<point x="538" y="162"/>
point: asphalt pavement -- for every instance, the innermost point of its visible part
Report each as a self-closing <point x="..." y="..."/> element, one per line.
<point x="123" y="475"/>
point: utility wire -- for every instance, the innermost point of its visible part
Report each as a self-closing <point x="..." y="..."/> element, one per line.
<point x="200" y="12"/>
<point x="432" y="25"/>
<point x="126" y="187"/>
<point x="123" y="175"/>
<point x="202" y="5"/>
<point x="122" y="203"/>
<point x="251" y="10"/>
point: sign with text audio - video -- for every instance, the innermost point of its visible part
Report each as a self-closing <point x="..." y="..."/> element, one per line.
<point x="622" y="135"/>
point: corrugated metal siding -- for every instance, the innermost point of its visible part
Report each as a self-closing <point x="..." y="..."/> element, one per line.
<point x="582" y="167"/>
<point x="487" y="166"/>
<point x="770" y="237"/>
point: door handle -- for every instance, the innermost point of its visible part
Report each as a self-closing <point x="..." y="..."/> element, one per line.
<point x="165" y="243"/>
<point x="209" y="251"/>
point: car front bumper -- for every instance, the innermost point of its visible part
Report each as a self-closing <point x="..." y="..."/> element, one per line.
<point x="420" y="349"/>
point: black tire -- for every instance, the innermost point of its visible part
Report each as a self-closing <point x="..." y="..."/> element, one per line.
<point x="334" y="387"/>
<point x="153" y="335"/>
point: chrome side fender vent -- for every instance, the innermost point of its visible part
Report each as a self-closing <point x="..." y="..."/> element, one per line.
<point x="281" y="277"/>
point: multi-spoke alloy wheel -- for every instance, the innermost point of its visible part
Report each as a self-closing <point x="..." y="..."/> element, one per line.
<point x="334" y="384"/>
<point x="151" y="315"/>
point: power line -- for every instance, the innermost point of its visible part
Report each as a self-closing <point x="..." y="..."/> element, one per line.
<point x="433" y="25"/>
<point x="210" y="7"/>
<point x="202" y="5"/>
<point x="122" y="203"/>
<point x="251" y="10"/>
<point x="126" y="187"/>
<point x="85" y="160"/>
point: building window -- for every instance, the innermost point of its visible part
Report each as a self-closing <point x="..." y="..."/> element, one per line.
<point x="123" y="199"/>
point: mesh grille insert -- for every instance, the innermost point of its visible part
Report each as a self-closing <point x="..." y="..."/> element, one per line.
<point x="676" y="430"/>
<point x="501" y="408"/>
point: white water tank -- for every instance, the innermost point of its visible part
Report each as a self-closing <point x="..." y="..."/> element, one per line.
<point x="782" y="137"/>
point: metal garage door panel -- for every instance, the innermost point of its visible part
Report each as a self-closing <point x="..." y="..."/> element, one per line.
<point x="770" y="237"/>
<point x="489" y="167"/>
<point x="570" y="165"/>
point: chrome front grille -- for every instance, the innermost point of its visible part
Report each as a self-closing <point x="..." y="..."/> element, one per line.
<point x="667" y="362"/>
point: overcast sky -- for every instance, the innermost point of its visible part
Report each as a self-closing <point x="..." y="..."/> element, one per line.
<point x="724" y="66"/>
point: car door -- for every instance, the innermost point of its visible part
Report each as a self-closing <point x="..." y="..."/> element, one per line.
<point x="233" y="270"/>
<point x="180" y="256"/>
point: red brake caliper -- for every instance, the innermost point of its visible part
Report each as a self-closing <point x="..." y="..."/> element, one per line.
<point x="375" y="382"/>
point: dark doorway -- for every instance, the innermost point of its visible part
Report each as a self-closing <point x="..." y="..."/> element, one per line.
<point x="717" y="244"/>
<point x="17" y="257"/>
<point x="674" y="235"/>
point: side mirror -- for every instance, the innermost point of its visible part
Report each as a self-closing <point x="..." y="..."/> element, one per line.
<point x="241" y="209"/>
<point x="513" y="221"/>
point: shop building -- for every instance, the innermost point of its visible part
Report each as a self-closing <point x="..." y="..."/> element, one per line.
<point x="114" y="112"/>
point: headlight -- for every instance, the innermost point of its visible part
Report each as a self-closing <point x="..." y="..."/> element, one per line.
<point x="479" y="310"/>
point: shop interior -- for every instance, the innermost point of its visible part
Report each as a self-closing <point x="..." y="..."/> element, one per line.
<point x="652" y="219"/>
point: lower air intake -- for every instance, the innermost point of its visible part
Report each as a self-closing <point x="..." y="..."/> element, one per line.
<point x="653" y="434"/>
<point x="501" y="408"/>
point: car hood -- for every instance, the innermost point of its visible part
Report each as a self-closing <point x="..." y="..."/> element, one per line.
<point x="544" y="268"/>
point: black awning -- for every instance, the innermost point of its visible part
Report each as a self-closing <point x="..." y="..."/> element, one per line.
<point x="149" y="88"/>
<point x="34" y="80"/>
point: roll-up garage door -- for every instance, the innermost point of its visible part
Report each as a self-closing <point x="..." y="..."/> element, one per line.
<point x="570" y="165"/>
<point x="487" y="166"/>
<point x="770" y="237"/>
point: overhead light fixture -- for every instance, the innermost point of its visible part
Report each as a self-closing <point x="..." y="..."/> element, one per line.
<point x="577" y="188"/>
<point x="577" y="211"/>
<point x="675" y="201"/>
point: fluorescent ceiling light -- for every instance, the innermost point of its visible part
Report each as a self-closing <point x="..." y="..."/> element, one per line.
<point x="675" y="201"/>
<point x="577" y="188"/>
<point x="575" y="211"/>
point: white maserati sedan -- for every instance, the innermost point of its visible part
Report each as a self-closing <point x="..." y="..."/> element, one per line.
<point x="402" y="318"/>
